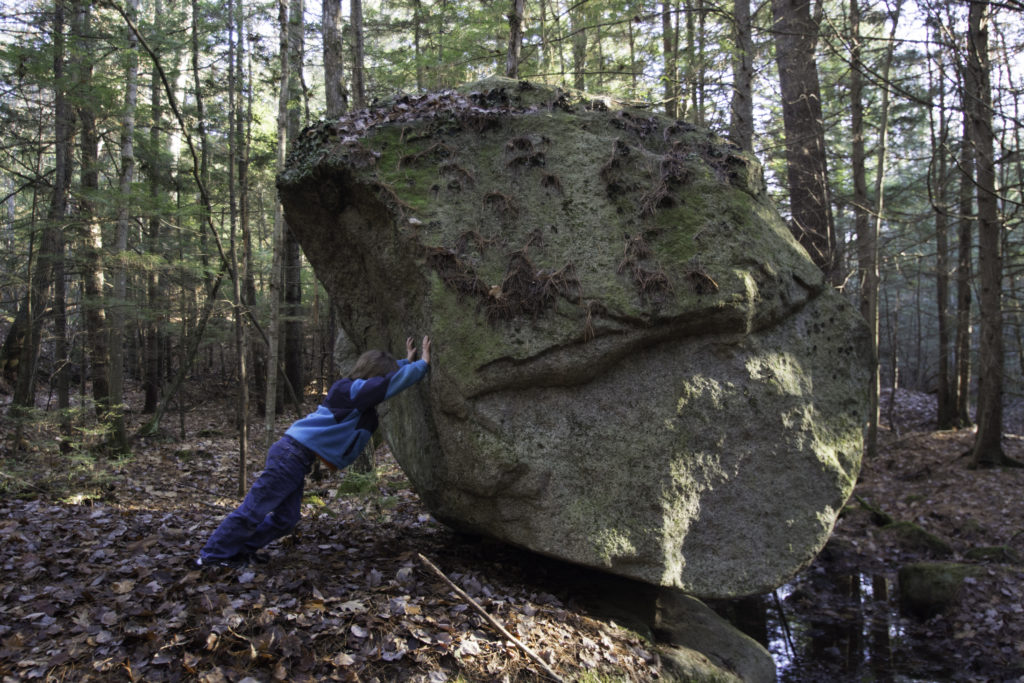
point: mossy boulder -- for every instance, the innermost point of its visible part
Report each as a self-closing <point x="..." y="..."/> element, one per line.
<point x="914" y="538"/>
<point x="927" y="588"/>
<point x="637" y="367"/>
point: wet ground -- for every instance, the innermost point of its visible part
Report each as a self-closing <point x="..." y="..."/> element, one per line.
<point x="839" y="627"/>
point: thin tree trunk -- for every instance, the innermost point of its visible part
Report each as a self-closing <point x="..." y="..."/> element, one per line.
<point x="255" y="350"/>
<point x="153" y="378"/>
<point x="274" y="333"/>
<point x="292" y="265"/>
<point x="234" y="133"/>
<point x="204" y="163"/>
<point x="693" y="67"/>
<point x="358" y="57"/>
<point x="515" y="39"/>
<point x="578" y="36"/>
<point x="893" y="310"/>
<point x="119" y="436"/>
<point x="741" y="124"/>
<point x="62" y="356"/>
<point x="867" y="238"/>
<point x="964" y="277"/>
<point x="670" y="56"/>
<point x="946" y="413"/>
<point x="334" y="62"/>
<point x="870" y="249"/>
<point x="92" y="242"/>
<point x="417" y="43"/>
<point x="633" y="34"/>
<point x="988" y="444"/>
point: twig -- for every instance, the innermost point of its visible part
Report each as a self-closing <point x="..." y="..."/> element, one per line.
<point x="491" y="620"/>
<point x="785" y="622"/>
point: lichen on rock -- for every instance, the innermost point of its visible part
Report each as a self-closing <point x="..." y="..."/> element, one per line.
<point x="638" y="368"/>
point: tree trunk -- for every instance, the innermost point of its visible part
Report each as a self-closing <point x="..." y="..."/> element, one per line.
<point x="62" y="357"/>
<point x="292" y="265"/>
<point x="689" y="92"/>
<point x="946" y="413"/>
<point x="870" y="250"/>
<point x="417" y="43"/>
<point x="796" y="37"/>
<point x="153" y="379"/>
<point x="964" y="277"/>
<point x="670" y="56"/>
<point x="358" y="57"/>
<point x="241" y="343"/>
<point x="741" y="124"/>
<point x="91" y="256"/>
<point x="515" y="39"/>
<point x="119" y="435"/>
<point x="256" y="350"/>
<point x="988" y="444"/>
<point x="274" y="333"/>
<point x="578" y="37"/>
<point x="52" y="241"/>
<point x="334" y="62"/>
<point x="867" y="238"/>
<point x="204" y="164"/>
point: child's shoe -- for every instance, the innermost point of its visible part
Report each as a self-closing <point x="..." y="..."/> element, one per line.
<point x="232" y="563"/>
<point x="258" y="558"/>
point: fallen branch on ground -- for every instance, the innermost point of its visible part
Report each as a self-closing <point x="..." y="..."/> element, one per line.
<point x="491" y="620"/>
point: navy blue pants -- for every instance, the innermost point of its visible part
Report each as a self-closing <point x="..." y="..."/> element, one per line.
<point x="270" y="510"/>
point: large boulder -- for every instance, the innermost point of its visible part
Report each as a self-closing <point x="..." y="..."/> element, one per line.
<point x="637" y="367"/>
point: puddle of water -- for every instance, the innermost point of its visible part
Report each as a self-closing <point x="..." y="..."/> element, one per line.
<point x="837" y="628"/>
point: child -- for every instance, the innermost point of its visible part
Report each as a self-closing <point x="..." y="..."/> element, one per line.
<point x="336" y="433"/>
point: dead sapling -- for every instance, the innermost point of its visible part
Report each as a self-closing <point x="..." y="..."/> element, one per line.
<point x="480" y="122"/>
<point x="501" y="204"/>
<point x="459" y="178"/>
<point x="671" y="173"/>
<point x="534" y="239"/>
<point x="455" y="273"/>
<point x="528" y="291"/>
<point x="593" y="308"/>
<point x="391" y="199"/>
<point x="650" y="282"/>
<point x="525" y="152"/>
<point x="613" y="173"/>
<point x="638" y="125"/>
<point x="550" y="182"/>
<point x="472" y="237"/>
<point x="431" y="155"/>
<point x="701" y="282"/>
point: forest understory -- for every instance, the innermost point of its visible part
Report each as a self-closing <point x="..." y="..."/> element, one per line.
<point x="98" y="581"/>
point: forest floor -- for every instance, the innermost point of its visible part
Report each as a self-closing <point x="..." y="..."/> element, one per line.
<point x="98" y="581"/>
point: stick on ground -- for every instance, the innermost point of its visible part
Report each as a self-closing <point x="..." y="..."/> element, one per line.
<point x="491" y="620"/>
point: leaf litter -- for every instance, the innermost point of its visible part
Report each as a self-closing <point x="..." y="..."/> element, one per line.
<point x="100" y="585"/>
<point x="104" y="586"/>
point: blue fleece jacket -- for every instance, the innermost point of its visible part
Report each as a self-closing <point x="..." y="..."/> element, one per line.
<point x="344" y="422"/>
